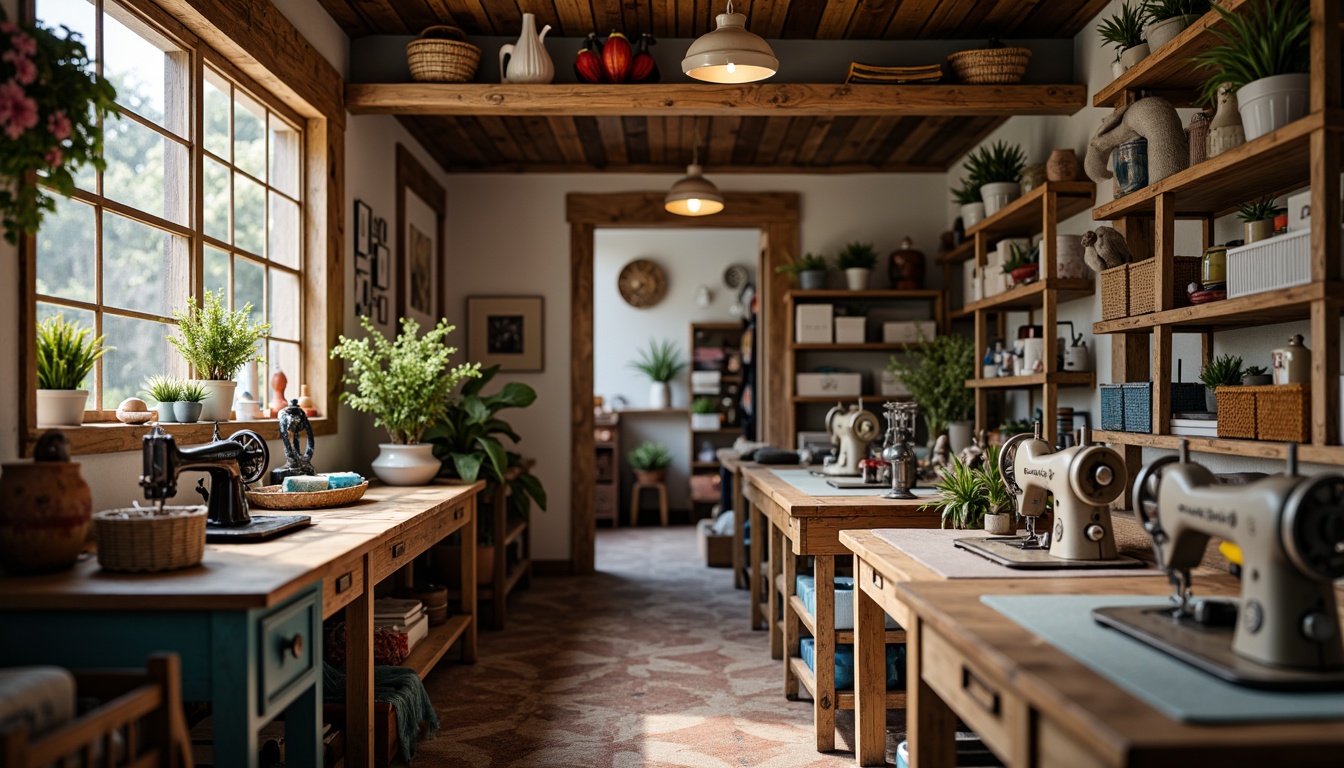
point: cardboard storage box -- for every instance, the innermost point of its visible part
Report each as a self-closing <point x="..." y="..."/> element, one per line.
<point x="829" y="384"/>
<point x="908" y="331"/>
<point x="716" y="550"/>
<point x="813" y="323"/>
<point x="889" y="384"/>
<point x="850" y="330"/>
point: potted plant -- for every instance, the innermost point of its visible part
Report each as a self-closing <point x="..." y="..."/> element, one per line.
<point x="1000" y="504"/>
<point x="1124" y="30"/>
<point x="705" y="414"/>
<point x="996" y="169"/>
<point x="1258" y="218"/>
<point x="857" y="260"/>
<point x="967" y="196"/>
<point x="810" y="271"/>
<point x="650" y="462"/>
<point x="661" y="362"/>
<point x="65" y="357"/>
<point x="1256" y="376"/>
<point x="1022" y="265"/>
<point x="216" y="342"/>
<point x="1166" y="18"/>
<point x="937" y="380"/>
<point x="165" y="391"/>
<point x="469" y="443"/>
<point x="407" y="385"/>
<point x="190" y="401"/>
<point x="1265" y="53"/>
<point x="56" y="105"/>
<point x="1225" y="371"/>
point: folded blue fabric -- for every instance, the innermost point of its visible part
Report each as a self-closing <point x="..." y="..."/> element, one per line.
<point x="304" y="484"/>
<point x="343" y="479"/>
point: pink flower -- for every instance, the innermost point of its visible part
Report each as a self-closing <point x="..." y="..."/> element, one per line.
<point x="54" y="157"/>
<point x="24" y="44"/>
<point x="8" y="27"/>
<point x="59" y="125"/>
<point x="16" y="109"/>
<point x="9" y="93"/>
<point x="24" y="69"/>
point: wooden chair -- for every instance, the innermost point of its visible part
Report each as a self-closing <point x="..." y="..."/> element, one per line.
<point x="634" y="501"/>
<point x="145" y="708"/>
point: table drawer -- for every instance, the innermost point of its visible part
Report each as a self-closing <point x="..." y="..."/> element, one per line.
<point x="288" y="647"/>
<point x="883" y="591"/>
<point x="342" y="585"/>
<point x="393" y="553"/>
<point x="982" y="700"/>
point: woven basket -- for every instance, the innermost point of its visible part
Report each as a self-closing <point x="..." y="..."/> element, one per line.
<point x="442" y="55"/>
<point x="1139" y="407"/>
<point x="1187" y="397"/>
<point x="990" y="66"/>
<point x="1236" y="411"/>
<point x="274" y="497"/>
<point x="1143" y="282"/>
<point x="1115" y="292"/>
<point x="1282" y="412"/>
<point x="1113" y="407"/>
<point x="140" y="540"/>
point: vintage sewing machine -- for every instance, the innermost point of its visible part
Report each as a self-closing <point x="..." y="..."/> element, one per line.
<point x="1082" y="481"/>
<point x="852" y="430"/>
<point x="231" y="464"/>
<point x="1284" y="633"/>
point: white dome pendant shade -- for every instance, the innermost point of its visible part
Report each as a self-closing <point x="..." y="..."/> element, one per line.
<point x="730" y="54"/>
<point x="693" y="195"/>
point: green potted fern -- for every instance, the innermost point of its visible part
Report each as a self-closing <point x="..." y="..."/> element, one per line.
<point x="165" y="391"/>
<point x="996" y="168"/>
<point x="1165" y="19"/>
<point x="705" y="414"/>
<point x="857" y="260"/>
<point x="1265" y="54"/>
<point x="810" y="271"/>
<point x="1224" y="371"/>
<point x="650" y="462"/>
<point x="937" y="380"/>
<point x="216" y="342"/>
<point x="661" y="362"/>
<point x="1258" y="218"/>
<point x="65" y="357"/>
<point x="1124" y="30"/>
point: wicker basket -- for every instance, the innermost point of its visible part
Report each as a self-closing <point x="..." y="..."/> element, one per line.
<point x="990" y="66"/>
<point x="442" y="55"/>
<point x="1113" y="407"/>
<point x="140" y="540"/>
<point x="1139" y="407"/>
<point x="1115" y="292"/>
<point x="1143" y="279"/>
<point x="1187" y="397"/>
<point x="1236" y="411"/>
<point x="1282" y="412"/>
<point x="274" y="497"/>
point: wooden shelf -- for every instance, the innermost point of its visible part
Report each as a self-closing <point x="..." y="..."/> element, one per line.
<point x="1168" y="70"/>
<point x="516" y="529"/>
<point x="1259" y="449"/>
<point x="843" y="699"/>
<point x="959" y="254"/>
<point x="437" y="643"/>
<point x="1275" y="163"/>
<point x="833" y="400"/>
<point x="1029" y="296"/>
<point x="1060" y="378"/>
<point x="1266" y="308"/>
<point x="875" y="295"/>
<point x="864" y="347"/>
<point x="842" y="636"/>
<point x="652" y="411"/>
<point x="698" y="99"/>
<point x="1023" y="216"/>
<point x="511" y="579"/>
<point x="720" y="431"/>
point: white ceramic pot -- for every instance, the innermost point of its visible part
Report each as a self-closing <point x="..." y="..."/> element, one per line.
<point x="959" y="435"/>
<point x="856" y="278"/>
<point x="660" y="395"/>
<point x="1160" y="33"/>
<point x="972" y="214"/>
<point x="1270" y="103"/>
<point x="406" y="464"/>
<point x="705" y="421"/>
<point x="218" y="402"/>
<point x="999" y="194"/>
<point x="1117" y="69"/>
<point x="1131" y="56"/>
<point x="61" y="407"/>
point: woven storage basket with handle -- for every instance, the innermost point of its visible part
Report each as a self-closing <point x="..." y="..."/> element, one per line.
<point x="1282" y="412"/>
<point x="990" y="66"/>
<point x="1143" y="283"/>
<point x="1236" y="411"/>
<point x="442" y="55"/>
<point x="140" y="540"/>
<point x="1115" y="292"/>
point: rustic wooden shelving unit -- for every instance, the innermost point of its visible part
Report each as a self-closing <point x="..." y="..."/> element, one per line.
<point x="726" y="336"/>
<point x="1305" y="152"/>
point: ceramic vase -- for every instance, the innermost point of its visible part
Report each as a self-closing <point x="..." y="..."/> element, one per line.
<point x="905" y="271"/>
<point x="1117" y="69"/>
<point x="1225" y="130"/>
<point x="218" y="402"/>
<point x="1292" y="364"/>
<point x="167" y="414"/>
<point x="1256" y="380"/>
<point x="959" y="434"/>
<point x="1270" y="103"/>
<point x="61" y="407"/>
<point x="1162" y="32"/>
<point x="1210" y="400"/>
<point x="972" y="214"/>
<point x="527" y="61"/>
<point x="406" y="464"/>
<point x="660" y="395"/>
<point x="650" y="476"/>
<point x="1032" y="177"/>
<point x="856" y="278"/>
<point x="45" y="513"/>
<point x="1131" y="56"/>
<point x="1069" y="263"/>
<point x="1062" y="165"/>
<point x="812" y="280"/>
<point x="999" y="194"/>
<point x="1000" y="525"/>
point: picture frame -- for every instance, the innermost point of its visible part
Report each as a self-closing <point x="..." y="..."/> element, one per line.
<point x="363" y="295"/>
<point x="508" y="331"/>
<point x="363" y="228"/>
<point x="381" y="313"/>
<point x="382" y="267"/>
<point x="417" y="270"/>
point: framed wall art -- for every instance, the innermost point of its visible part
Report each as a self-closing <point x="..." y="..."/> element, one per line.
<point x="418" y="268"/>
<point x="506" y="331"/>
<point x="363" y="228"/>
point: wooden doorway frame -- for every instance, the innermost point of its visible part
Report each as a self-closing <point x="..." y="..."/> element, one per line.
<point x="775" y="214"/>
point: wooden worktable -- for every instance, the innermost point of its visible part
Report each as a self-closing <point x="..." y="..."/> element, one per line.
<point x="733" y="463"/>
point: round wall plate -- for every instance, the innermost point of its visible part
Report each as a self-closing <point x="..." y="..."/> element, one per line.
<point x="642" y="283"/>
<point x="736" y="276"/>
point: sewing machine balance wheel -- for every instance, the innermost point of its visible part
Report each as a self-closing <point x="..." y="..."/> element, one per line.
<point x="1008" y="461"/>
<point x="1313" y="527"/>
<point x="256" y="457"/>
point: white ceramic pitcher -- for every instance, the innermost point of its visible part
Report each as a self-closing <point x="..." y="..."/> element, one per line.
<point x="527" y="61"/>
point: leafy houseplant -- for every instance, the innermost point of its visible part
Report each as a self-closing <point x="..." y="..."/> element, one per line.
<point x="216" y="342"/>
<point x="165" y="391"/>
<point x="705" y="414"/>
<point x="938" y="380"/>
<point x="995" y="169"/>
<point x="970" y="497"/>
<point x="1022" y="264"/>
<point x="407" y="385"/>
<point x="857" y="261"/>
<point x="1124" y="30"/>
<point x="1265" y="53"/>
<point x="810" y="271"/>
<point x="1255" y="375"/>
<point x="65" y="357"/>
<point x="190" y="397"/>
<point x="967" y="197"/>
<point x="1166" y="18"/>
<point x="650" y="462"/>
<point x="1224" y="371"/>
<point x="661" y="362"/>
<point x="51" y="107"/>
<point x="1258" y="218"/>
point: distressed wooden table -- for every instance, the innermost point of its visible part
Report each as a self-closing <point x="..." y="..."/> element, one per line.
<point x="733" y="463"/>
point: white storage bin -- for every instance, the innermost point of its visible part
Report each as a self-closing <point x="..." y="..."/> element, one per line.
<point x="850" y="330"/>
<point x="830" y="384"/>
<point x="889" y="384"/>
<point x="969" y="276"/>
<point x="908" y="331"/>
<point x="813" y="323"/>
<point x="1269" y="265"/>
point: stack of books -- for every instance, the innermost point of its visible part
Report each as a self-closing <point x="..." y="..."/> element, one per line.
<point x="401" y="617"/>
<point x="873" y="74"/>
<point x="1196" y="424"/>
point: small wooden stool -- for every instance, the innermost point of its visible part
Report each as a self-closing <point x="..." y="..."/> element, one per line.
<point x="634" y="501"/>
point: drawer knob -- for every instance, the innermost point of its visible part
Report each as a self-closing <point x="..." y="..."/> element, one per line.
<point x="399" y="549"/>
<point x="296" y="646"/>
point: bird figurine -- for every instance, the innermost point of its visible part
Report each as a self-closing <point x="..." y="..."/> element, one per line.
<point x="1104" y="248"/>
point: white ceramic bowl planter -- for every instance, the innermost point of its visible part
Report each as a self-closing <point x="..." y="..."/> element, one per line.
<point x="1131" y="56"/>
<point x="218" y="402"/>
<point x="1160" y="33"/>
<point x="999" y="194"/>
<point x="406" y="464"/>
<point x="1270" y="103"/>
<point x="972" y="214"/>
<point x="61" y="407"/>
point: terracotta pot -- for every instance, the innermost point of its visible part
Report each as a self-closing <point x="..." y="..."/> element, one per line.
<point x="45" y="513"/>
<point x="906" y="270"/>
<point x="650" y="477"/>
<point x="1062" y="165"/>
<point x="1024" y="274"/>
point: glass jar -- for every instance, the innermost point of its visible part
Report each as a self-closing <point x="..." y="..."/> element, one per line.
<point x="1131" y="166"/>
<point x="1213" y="267"/>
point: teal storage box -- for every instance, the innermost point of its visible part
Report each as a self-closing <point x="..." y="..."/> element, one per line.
<point x="844" y="663"/>
<point x="805" y="587"/>
<point x="1113" y="407"/>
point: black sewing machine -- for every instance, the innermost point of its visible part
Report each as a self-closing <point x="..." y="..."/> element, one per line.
<point x="231" y="464"/>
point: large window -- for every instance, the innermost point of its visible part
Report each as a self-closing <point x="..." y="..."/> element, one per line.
<point x="203" y="191"/>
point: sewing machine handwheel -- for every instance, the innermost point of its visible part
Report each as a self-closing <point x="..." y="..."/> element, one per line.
<point x="1008" y="460"/>
<point x="1313" y="527"/>
<point x="256" y="458"/>
<point x="1145" y="488"/>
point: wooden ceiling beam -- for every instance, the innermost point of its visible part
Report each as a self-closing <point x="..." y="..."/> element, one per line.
<point x="680" y="170"/>
<point x="695" y="99"/>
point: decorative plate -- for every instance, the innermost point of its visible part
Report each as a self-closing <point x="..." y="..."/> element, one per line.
<point x="736" y="276"/>
<point x="1204" y="297"/>
<point x="642" y="283"/>
<point x="274" y="497"/>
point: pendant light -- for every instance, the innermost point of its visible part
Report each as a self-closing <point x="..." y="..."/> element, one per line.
<point x="694" y="195"/>
<point x="730" y="54"/>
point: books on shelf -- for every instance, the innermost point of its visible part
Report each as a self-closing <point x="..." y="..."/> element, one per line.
<point x="412" y="631"/>
<point x="394" y="610"/>
<point x="878" y="75"/>
<point x="1194" y="427"/>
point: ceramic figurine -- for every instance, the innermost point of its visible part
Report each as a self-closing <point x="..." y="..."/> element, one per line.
<point x="527" y="61"/>
<point x="305" y="401"/>
<point x="1225" y="130"/>
<point x="1152" y="119"/>
<point x="45" y="510"/>
<point x="133" y="410"/>
<point x="1062" y="165"/>
<point x="1292" y="364"/>
<point x="294" y="425"/>
<point x="278" y="383"/>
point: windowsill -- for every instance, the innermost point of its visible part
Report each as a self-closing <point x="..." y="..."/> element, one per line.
<point x="115" y="437"/>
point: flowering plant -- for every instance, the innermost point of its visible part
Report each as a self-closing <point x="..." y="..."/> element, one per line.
<point x="51" y="104"/>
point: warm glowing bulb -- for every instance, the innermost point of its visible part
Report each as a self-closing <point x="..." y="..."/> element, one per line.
<point x="693" y="205"/>
<point x="731" y="67"/>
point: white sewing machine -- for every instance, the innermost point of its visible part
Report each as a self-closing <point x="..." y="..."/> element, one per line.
<point x="852" y="430"/>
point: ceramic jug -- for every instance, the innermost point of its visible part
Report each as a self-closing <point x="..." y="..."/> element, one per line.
<point x="526" y="61"/>
<point x="1292" y="364"/>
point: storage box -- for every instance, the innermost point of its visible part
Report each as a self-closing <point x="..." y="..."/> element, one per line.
<point x="1143" y="283"/>
<point x="844" y="663"/>
<point x="1115" y="292"/>
<point x="1236" y="412"/>
<point x="813" y="323"/>
<point x="1138" y="407"/>
<point x="1269" y="265"/>
<point x="850" y="330"/>
<point x="1283" y="412"/>
<point x="716" y="550"/>
<point x="706" y="488"/>
<point x="1299" y="209"/>
<point x="969" y="276"/>
<point x="908" y="331"/>
<point x="829" y="384"/>
<point x="1113" y="407"/>
<point x="805" y="587"/>
<point x="890" y="384"/>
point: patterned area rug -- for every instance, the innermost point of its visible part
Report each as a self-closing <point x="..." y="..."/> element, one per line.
<point x="651" y="662"/>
